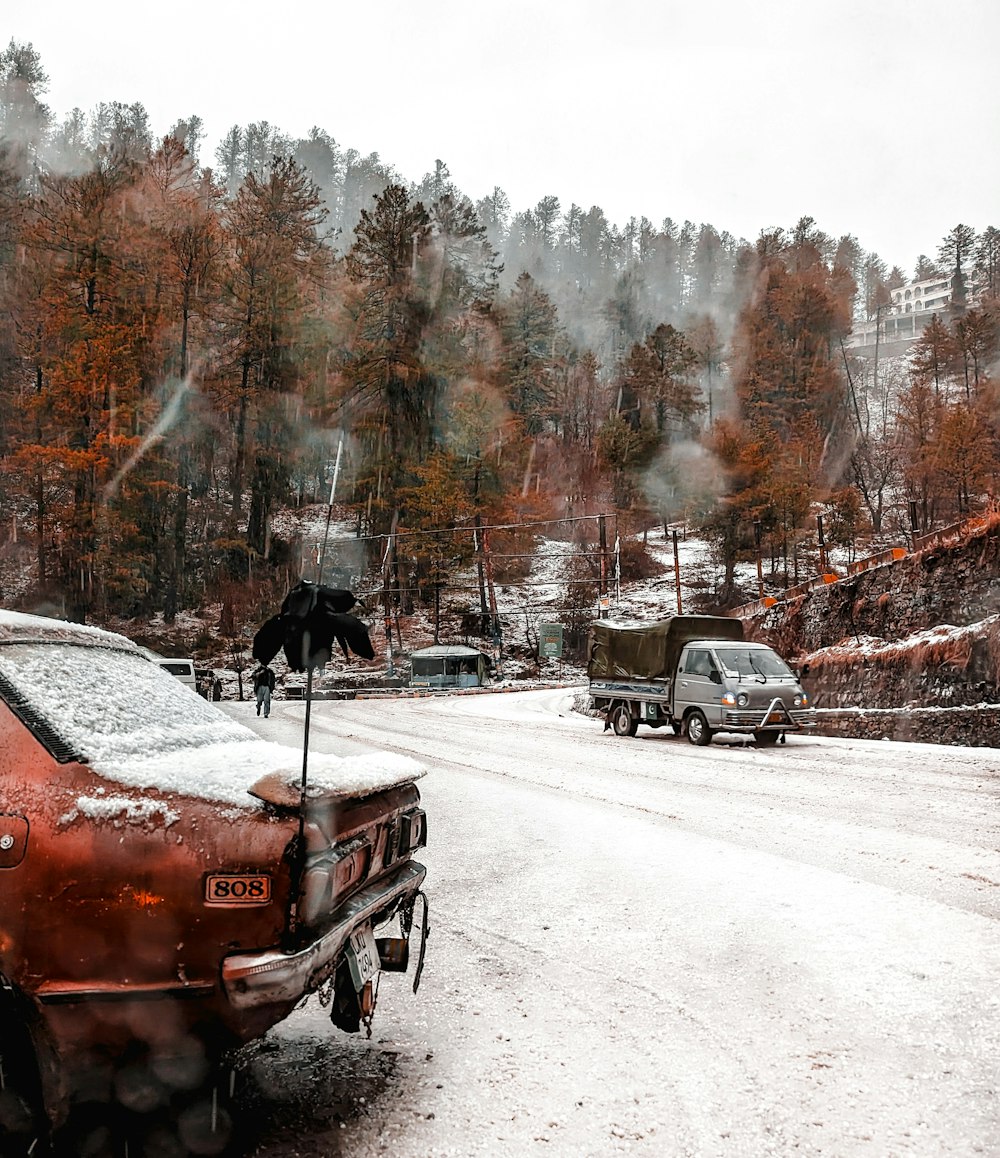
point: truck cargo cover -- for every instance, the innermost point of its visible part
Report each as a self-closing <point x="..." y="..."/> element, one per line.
<point x="651" y="650"/>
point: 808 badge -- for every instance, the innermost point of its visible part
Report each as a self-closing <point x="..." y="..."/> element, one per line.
<point x="237" y="889"/>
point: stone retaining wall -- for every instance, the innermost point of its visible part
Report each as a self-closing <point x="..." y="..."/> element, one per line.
<point x="857" y="636"/>
<point x="956" y="584"/>
<point x="974" y="727"/>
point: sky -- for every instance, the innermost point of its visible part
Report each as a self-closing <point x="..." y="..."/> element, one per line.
<point x="879" y="120"/>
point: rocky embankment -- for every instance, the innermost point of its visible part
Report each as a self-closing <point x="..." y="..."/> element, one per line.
<point x="907" y="650"/>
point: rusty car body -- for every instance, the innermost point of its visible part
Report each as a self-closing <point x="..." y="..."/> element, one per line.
<point x="168" y="890"/>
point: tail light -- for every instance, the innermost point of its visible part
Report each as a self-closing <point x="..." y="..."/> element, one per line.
<point x="325" y="883"/>
<point x="406" y="833"/>
<point x="413" y="830"/>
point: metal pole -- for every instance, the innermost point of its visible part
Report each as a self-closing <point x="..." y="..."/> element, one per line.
<point x="491" y="591"/>
<point x="878" y="326"/>
<point x="305" y="742"/>
<point x="618" y="569"/>
<point x="850" y="383"/>
<point x="300" y="858"/>
<point x="822" y="544"/>
<point x="603" y="531"/>
<point x="329" y="511"/>
<point x="477" y="545"/>
<point x="437" y="610"/>
<point x="677" y="572"/>
<point x="386" y="609"/>
<point x="760" y="570"/>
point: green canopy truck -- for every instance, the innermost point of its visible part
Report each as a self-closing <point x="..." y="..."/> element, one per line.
<point x="695" y="674"/>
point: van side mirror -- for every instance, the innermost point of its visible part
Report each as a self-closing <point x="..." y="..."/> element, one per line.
<point x="715" y="676"/>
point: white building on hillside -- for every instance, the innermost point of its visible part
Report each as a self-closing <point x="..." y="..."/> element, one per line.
<point x="904" y="318"/>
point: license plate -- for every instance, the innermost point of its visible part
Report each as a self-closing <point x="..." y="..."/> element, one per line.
<point x="237" y="889"/>
<point x="362" y="956"/>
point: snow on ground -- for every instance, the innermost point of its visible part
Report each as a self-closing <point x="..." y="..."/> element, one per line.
<point x="878" y="648"/>
<point x="648" y="948"/>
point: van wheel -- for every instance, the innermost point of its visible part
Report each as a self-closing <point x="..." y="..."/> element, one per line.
<point x="623" y="721"/>
<point x="766" y="739"/>
<point x="698" y="730"/>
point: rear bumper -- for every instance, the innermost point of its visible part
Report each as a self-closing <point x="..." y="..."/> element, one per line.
<point x="271" y="977"/>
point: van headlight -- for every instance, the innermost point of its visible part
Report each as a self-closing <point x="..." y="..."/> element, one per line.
<point x="800" y="701"/>
<point x="728" y="699"/>
<point x="743" y="699"/>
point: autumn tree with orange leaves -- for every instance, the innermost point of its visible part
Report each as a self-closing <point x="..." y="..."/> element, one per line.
<point x="792" y="437"/>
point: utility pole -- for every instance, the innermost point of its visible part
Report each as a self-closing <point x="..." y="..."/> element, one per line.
<point x="760" y="571"/>
<point x="477" y="544"/>
<point x="850" y="383"/>
<point x="437" y="607"/>
<point x="603" y="590"/>
<point x="494" y="617"/>
<point x="387" y="595"/>
<point x="677" y="572"/>
<point x="329" y="512"/>
<point x="878" y="327"/>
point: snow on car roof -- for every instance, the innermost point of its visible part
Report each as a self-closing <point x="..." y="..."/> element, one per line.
<point x="137" y="725"/>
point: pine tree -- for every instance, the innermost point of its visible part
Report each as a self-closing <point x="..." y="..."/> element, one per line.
<point x="388" y="385"/>
<point x="925" y="269"/>
<point x="955" y="251"/>
<point x="546" y="216"/>
<point x="964" y="456"/>
<point x="494" y="213"/>
<point x="977" y="334"/>
<point x="529" y="327"/>
<point x="918" y="422"/>
<point x="184" y="206"/>
<point x="24" y="118"/>
<point x="230" y="156"/>
<point x="659" y="370"/>
<point x="987" y="263"/>
<point x="935" y="354"/>
<point x="85" y="334"/>
<point x="875" y="292"/>
<point x="275" y="257"/>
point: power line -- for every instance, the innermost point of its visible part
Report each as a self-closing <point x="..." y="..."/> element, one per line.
<point x="469" y="530"/>
<point x="379" y="592"/>
<point x="552" y="555"/>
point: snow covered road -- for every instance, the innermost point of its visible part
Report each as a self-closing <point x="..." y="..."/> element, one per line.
<point x="643" y="947"/>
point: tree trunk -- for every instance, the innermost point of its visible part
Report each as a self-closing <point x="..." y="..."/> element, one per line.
<point x="239" y="464"/>
<point x="40" y="496"/>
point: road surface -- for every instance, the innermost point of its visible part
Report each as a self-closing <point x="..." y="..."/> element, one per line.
<point x="643" y="947"/>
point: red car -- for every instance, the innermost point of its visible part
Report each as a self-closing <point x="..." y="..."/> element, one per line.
<point x="169" y="890"/>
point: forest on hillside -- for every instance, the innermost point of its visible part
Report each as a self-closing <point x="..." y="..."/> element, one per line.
<point x="189" y="350"/>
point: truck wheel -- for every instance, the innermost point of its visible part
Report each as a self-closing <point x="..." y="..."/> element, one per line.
<point x="623" y="722"/>
<point x="766" y="739"/>
<point x="698" y="730"/>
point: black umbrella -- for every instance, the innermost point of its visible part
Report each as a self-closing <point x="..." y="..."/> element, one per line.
<point x="313" y="616"/>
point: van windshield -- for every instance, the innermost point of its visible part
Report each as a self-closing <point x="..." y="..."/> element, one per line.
<point x="753" y="663"/>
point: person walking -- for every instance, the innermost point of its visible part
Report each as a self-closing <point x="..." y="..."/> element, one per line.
<point x="263" y="685"/>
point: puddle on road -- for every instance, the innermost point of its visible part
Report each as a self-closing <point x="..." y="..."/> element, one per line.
<point x="295" y="1092"/>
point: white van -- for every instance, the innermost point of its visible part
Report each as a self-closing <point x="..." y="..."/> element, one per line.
<point x="182" y="668"/>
